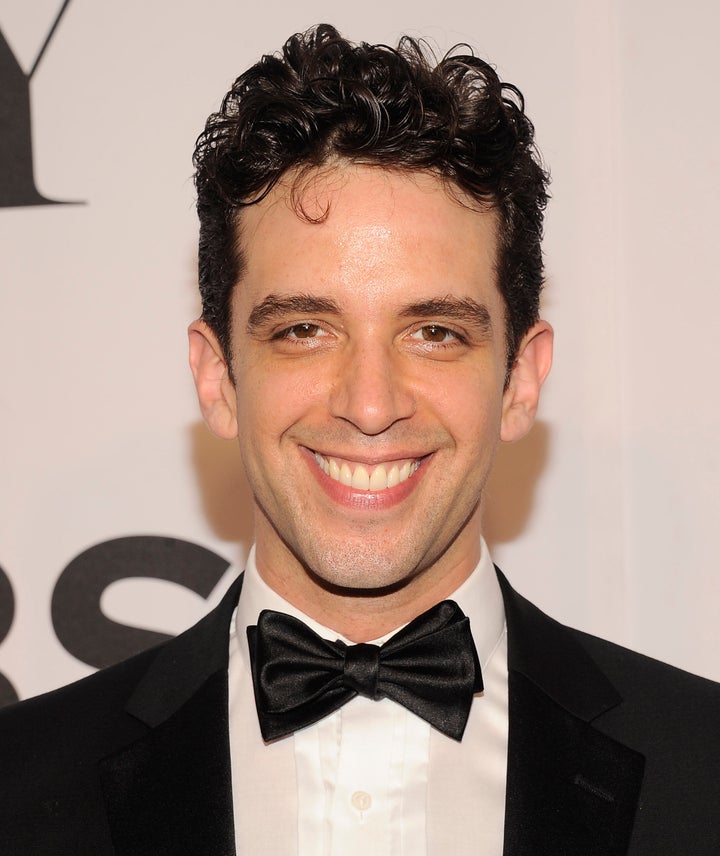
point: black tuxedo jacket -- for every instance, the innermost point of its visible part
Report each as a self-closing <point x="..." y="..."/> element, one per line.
<point x="609" y="752"/>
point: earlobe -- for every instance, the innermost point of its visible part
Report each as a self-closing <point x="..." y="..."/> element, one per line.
<point x="215" y="389"/>
<point x="528" y="374"/>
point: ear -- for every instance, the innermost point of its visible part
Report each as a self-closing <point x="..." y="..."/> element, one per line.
<point x="531" y="367"/>
<point x="215" y="389"/>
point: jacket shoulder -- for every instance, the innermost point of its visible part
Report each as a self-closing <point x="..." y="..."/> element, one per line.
<point x="659" y="700"/>
<point x="75" y="721"/>
<point x="623" y="665"/>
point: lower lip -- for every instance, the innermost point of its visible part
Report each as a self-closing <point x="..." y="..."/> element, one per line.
<point x="365" y="500"/>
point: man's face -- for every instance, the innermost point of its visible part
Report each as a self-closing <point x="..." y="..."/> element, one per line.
<point x="369" y="362"/>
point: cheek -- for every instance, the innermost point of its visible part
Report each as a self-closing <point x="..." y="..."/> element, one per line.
<point x="270" y="402"/>
<point x="469" y="404"/>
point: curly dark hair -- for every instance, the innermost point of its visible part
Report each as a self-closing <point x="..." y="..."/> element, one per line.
<point x="324" y="97"/>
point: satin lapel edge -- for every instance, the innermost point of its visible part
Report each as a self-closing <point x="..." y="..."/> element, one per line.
<point x="571" y="789"/>
<point x="169" y="793"/>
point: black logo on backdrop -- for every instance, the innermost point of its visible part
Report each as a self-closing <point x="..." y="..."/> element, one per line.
<point x="7" y="611"/>
<point x="17" y="180"/>
<point x="78" y="620"/>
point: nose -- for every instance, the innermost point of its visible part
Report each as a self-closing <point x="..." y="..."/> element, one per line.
<point x="372" y="389"/>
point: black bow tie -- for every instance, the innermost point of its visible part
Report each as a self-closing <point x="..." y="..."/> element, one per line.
<point x="431" y="667"/>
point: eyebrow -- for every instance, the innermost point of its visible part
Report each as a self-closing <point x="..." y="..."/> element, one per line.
<point x="274" y="306"/>
<point x="463" y="309"/>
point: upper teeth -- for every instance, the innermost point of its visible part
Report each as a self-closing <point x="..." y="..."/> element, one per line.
<point x="367" y="478"/>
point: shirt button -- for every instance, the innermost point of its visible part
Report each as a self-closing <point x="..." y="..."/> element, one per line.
<point x="361" y="800"/>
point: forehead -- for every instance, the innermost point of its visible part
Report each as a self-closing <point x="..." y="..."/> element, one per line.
<point x="367" y="231"/>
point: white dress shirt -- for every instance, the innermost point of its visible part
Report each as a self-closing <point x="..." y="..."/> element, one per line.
<point x="372" y="778"/>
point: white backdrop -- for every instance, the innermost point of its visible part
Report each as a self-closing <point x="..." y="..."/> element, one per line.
<point x="605" y="515"/>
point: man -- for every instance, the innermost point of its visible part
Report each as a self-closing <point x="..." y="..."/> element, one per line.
<point x="370" y="271"/>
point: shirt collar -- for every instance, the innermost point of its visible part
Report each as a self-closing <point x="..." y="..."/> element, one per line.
<point x="479" y="597"/>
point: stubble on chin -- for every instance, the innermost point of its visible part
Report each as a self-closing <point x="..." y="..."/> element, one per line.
<point x="360" y="571"/>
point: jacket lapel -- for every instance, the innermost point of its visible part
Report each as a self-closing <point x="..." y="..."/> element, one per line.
<point x="571" y="789"/>
<point x="169" y="793"/>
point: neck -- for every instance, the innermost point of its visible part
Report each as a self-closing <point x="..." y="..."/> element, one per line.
<point x="361" y="615"/>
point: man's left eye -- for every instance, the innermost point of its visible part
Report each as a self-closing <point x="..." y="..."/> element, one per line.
<point x="434" y="333"/>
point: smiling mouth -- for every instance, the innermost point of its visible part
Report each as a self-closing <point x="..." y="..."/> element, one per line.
<point x="369" y="478"/>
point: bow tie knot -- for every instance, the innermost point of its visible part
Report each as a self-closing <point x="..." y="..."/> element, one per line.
<point x="430" y="667"/>
<point x="361" y="669"/>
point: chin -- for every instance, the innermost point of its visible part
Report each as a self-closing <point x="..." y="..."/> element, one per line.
<point x="357" y="572"/>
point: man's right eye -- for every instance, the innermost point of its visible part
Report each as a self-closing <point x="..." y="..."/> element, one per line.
<point x="305" y="331"/>
<point x="302" y="331"/>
